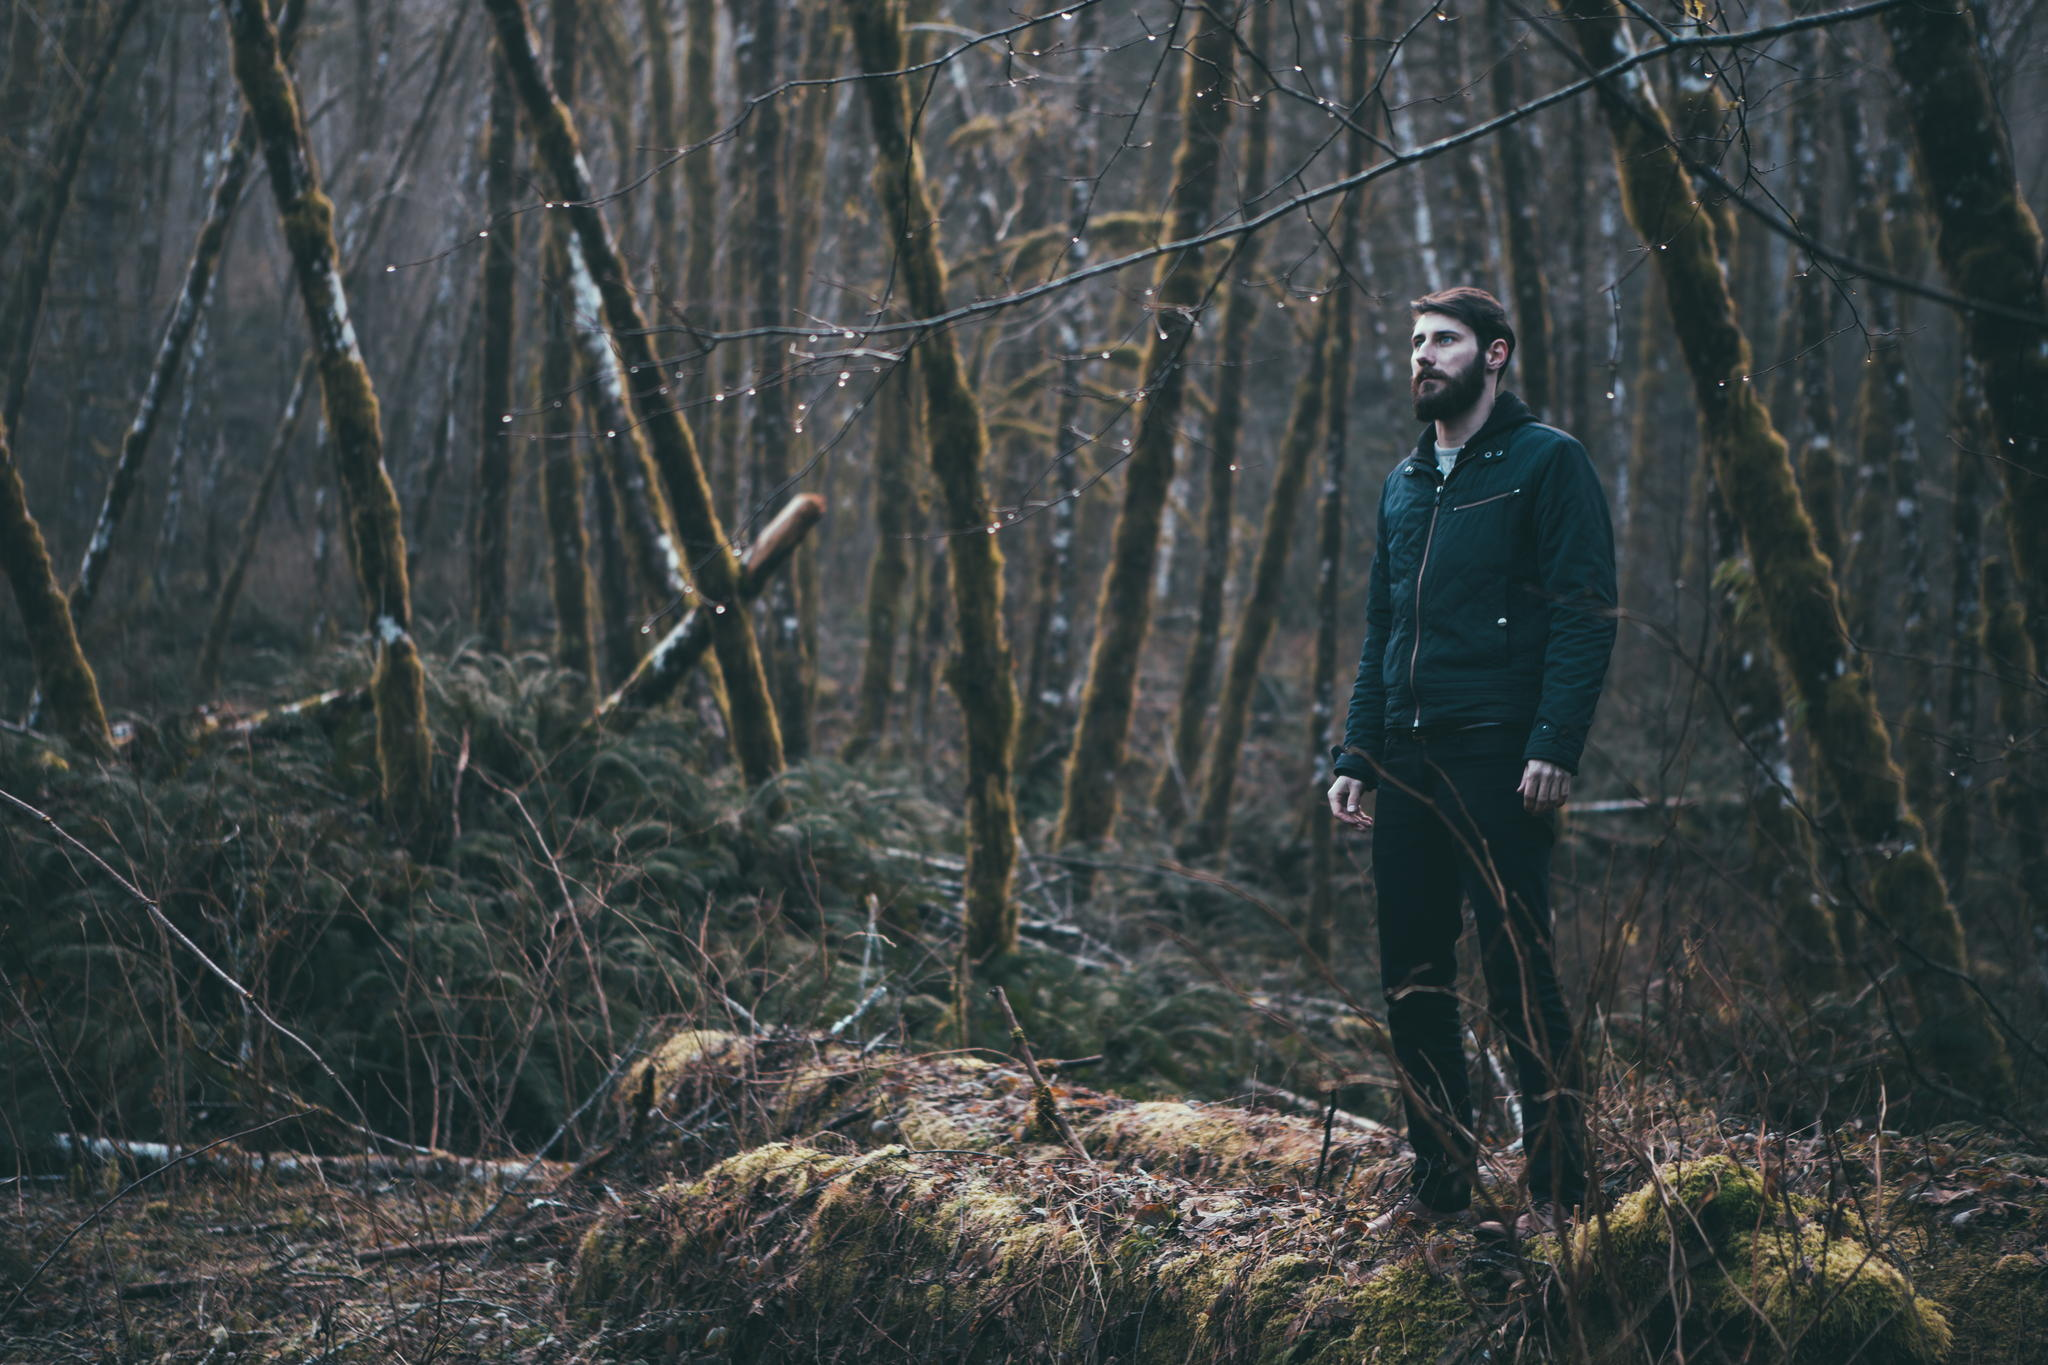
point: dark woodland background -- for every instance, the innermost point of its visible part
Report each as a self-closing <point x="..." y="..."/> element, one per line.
<point x="1096" y="543"/>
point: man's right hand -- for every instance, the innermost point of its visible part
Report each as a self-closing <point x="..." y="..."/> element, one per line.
<point x="1347" y="795"/>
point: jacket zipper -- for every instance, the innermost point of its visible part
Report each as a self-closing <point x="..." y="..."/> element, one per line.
<point x="1415" y="653"/>
<point x="1483" y="501"/>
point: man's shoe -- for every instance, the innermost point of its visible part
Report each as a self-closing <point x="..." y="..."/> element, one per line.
<point x="1543" y="1218"/>
<point x="1411" y="1213"/>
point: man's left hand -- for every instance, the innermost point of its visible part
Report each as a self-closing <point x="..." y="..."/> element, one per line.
<point x="1544" y="787"/>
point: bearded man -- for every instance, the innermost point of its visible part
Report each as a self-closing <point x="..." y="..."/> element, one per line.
<point x="1489" y="622"/>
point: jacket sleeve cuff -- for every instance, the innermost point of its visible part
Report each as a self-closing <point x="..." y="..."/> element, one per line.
<point x="1551" y="745"/>
<point x="1356" y="763"/>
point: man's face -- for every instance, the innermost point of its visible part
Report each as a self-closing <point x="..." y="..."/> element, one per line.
<point x="1446" y="371"/>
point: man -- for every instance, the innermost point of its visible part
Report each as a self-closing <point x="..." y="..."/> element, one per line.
<point x="1489" y="622"/>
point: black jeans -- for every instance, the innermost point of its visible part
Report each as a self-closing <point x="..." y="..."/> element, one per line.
<point x="1450" y="825"/>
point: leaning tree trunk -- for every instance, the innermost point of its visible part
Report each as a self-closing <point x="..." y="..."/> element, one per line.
<point x="70" y="693"/>
<point x="490" y="531"/>
<point x="1261" y="609"/>
<point x="1990" y="249"/>
<point x="24" y="313"/>
<point x="1331" y="559"/>
<point x="1179" y="286"/>
<point x="980" y="672"/>
<point x="405" y="746"/>
<point x="898" y="436"/>
<point x="1795" y="587"/>
<point x="756" y="738"/>
<point x="1240" y="316"/>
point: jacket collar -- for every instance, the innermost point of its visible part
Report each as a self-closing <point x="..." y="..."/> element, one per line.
<point x="1509" y="412"/>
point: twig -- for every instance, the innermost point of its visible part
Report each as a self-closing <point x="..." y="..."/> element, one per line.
<point x="1342" y="1118"/>
<point x="1041" y="1091"/>
<point x="123" y="1193"/>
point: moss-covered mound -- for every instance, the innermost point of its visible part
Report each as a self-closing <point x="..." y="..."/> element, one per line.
<point x="773" y="1088"/>
<point x="1703" y="1251"/>
<point x="789" y="1251"/>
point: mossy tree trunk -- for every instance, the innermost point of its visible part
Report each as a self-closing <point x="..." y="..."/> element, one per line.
<point x="1261" y="609"/>
<point x="1957" y="1038"/>
<point x="756" y="40"/>
<point x="756" y="737"/>
<point x="1990" y="248"/>
<point x="71" y="695"/>
<point x="490" y="530"/>
<point x="1333" y="563"/>
<point x="898" y="439"/>
<point x="45" y="211"/>
<point x="405" y="745"/>
<point x="656" y="35"/>
<point x="1180" y="286"/>
<point x="980" y="670"/>
<point x="700" y="182"/>
<point x="1240" y="316"/>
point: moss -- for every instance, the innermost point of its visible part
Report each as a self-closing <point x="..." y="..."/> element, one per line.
<point x="66" y="679"/>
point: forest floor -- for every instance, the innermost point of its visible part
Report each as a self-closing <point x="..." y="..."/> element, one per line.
<point x="213" y="1266"/>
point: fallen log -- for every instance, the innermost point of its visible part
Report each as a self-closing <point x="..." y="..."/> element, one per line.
<point x="789" y="1252"/>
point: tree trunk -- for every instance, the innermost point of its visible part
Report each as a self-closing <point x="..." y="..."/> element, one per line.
<point x="980" y="672"/>
<point x="1179" y="290"/>
<point x="661" y="133"/>
<point x="1261" y="609"/>
<point x="70" y="693"/>
<point x="1973" y="449"/>
<point x="405" y="746"/>
<point x="1990" y="248"/>
<point x="1331" y="559"/>
<point x="1240" y="317"/>
<point x="24" y="314"/>
<point x="1522" y="227"/>
<point x="251" y="531"/>
<point x="1797" y="591"/>
<point x="490" y="530"/>
<point x="756" y="39"/>
<point x="2019" y="798"/>
<point x="898" y="438"/>
<point x="757" y="740"/>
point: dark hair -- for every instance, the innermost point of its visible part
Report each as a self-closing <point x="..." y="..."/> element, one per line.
<point x="1474" y="307"/>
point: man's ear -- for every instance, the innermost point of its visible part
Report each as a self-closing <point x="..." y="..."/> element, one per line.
<point x="1497" y="355"/>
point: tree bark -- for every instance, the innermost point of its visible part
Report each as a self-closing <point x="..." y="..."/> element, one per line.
<point x="1801" y="605"/>
<point x="980" y="670"/>
<point x="490" y="531"/>
<point x="1990" y="248"/>
<point x="1973" y="449"/>
<point x="757" y="740"/>
<point x="2019" y="797"/>
<point x="1179" y="286"/>
<point x="1240" y="315"/>
<point x="70" y="693"/>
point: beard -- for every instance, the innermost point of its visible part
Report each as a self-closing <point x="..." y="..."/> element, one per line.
<point x="1455" y="394"/>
